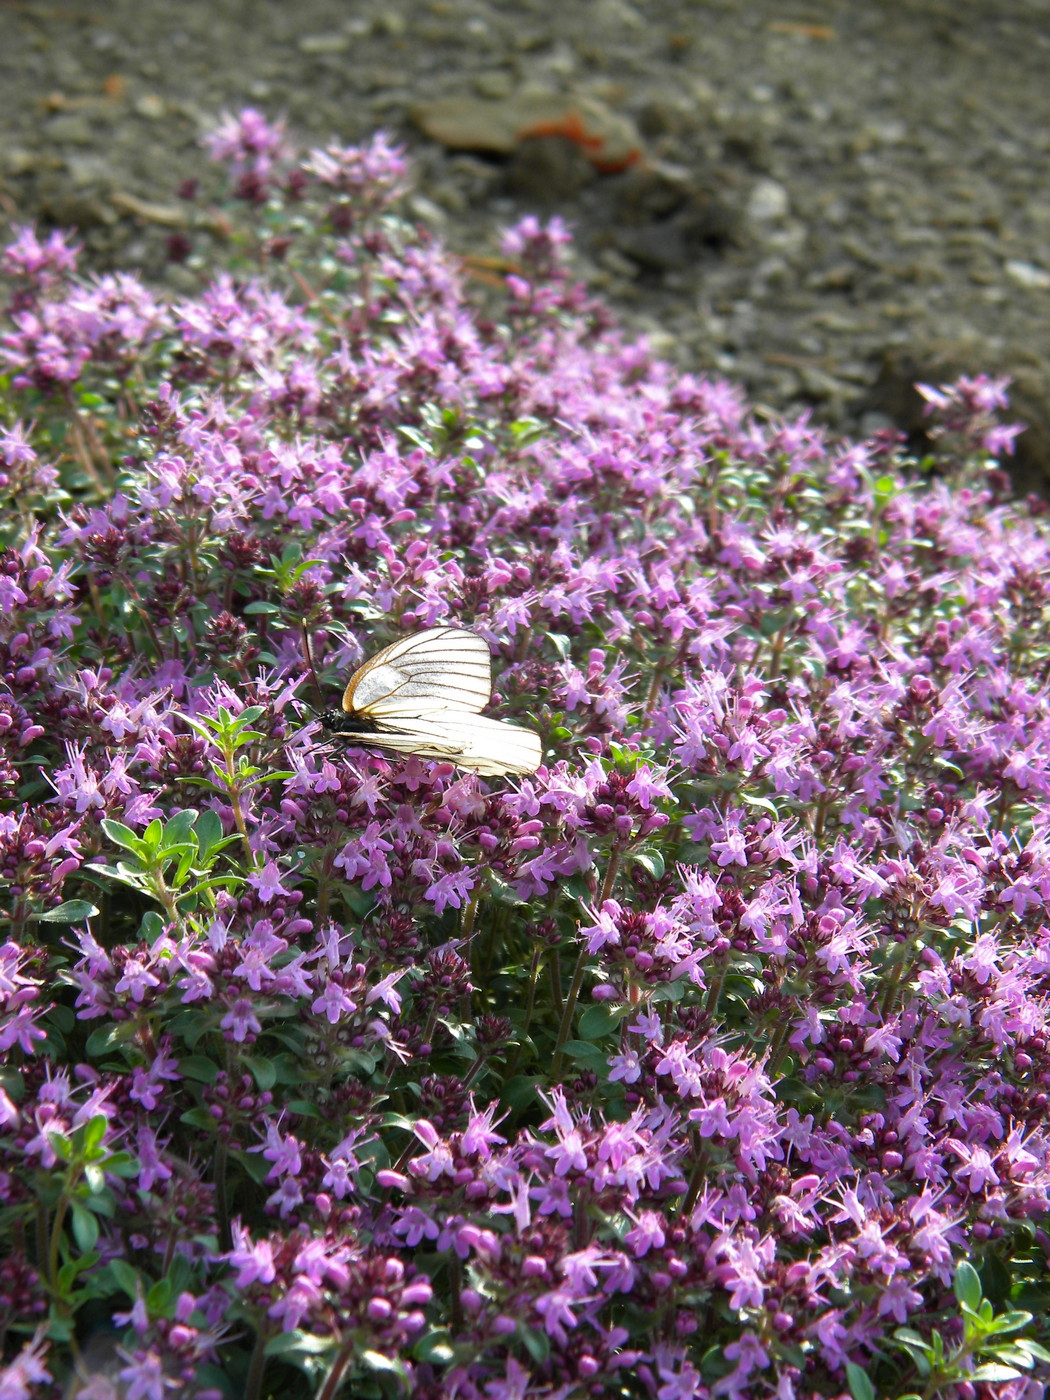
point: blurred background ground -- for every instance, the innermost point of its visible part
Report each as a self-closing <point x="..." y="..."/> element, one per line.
<point x="822" y="200"/>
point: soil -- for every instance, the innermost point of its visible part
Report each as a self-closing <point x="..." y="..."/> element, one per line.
<point x="822" y="200"/>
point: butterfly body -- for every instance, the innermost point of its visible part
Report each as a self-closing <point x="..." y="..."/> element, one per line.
<point x="338" y="722"/>
<point x="424" y="695"/>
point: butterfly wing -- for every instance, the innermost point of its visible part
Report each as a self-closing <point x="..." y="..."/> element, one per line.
<point x="440" y="668"/>
<point x="490" y="747"/>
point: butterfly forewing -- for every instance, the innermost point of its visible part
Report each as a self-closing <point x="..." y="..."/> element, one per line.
<point x="441" y="667"/>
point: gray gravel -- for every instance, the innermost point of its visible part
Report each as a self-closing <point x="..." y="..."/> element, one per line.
<point x="834" y="198"/>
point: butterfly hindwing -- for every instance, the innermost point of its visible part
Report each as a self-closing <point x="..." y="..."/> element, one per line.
<point x="475" y="742"/>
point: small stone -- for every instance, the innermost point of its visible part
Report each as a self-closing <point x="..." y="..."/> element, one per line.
<point x="324" y="43"/>
<point x="838" y="322"/>
<point x="498" y="83"/>
<point x="70" y="129"/>
<point x="390" y="23"/>
<point x="80" y="211"/>
<point x="818" y="384"/>
<point x="768" y="201"/>
<point x="18" y="161"/>
<point x="88" y="169"/>
<point x="151" y="106"/>
<point x="614" y="261"/>
<point x="1027" y="275"/>
<point x="616" y="14"/>
<point x="426" y="211"/>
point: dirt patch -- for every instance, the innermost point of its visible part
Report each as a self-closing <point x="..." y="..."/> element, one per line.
<point x="828" y="200"/>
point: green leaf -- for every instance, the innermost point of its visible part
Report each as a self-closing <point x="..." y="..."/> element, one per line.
<point x="124" y="837"/>
<point x="536" y="1343"/>
<point x="70" y="912"/>
<point x="519" y="1093"/>
<point x="264" y="1072"/>
<point x="434" y="1347"/>
<point x="968" y="1285"/>
<point x="1009" y="1322"/>
<point x="860" y="1384"/>
<point x="122" y="1164"/>
<point x="198" y="1118"/>
<point x="764" y="803"/>
<point x="994" y="1372"/>
<point x="392" y="1365"/>
<point x="600" y="1020"/>
<point x="415" y="436"/>
<point x="95" y="1131"/>
<point x="305" y="1343"/>
<point x="158" y="1297"/>
<point x="85" y="1227"/>
<point x="199" y="1068"/>
<point x="106" y="1036"/>
<point x="151" y="927"/>
<point x="886" y="487"/>
<point x="526" y="430"/>
<point x="180" y="827"/>
<point x="125" y="1276"/>
<point x="210" y="833"/>
<point x="585" y="1054"/>
<point x="652" y="862"/>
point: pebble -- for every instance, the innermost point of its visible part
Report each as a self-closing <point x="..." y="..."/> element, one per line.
<point x="494" y="84"/>
<point x="768" y="201"/>
<point x="317" y="44"/>
<point x="70" y="129"/>
<point x="151" y="106"/>
<point x="1027" y="275"/>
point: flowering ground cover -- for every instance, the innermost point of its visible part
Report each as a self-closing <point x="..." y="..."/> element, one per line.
<point x="712" y="1059"/>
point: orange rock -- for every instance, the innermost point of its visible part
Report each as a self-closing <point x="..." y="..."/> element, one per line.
<point x="608" y="140"/>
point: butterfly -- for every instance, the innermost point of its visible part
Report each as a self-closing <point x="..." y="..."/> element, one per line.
<point x="424" y="694"/>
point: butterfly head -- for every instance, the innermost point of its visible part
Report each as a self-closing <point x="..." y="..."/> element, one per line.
<point x="339" y="722"/>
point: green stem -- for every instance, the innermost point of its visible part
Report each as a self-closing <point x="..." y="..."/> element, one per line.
<point x="41" y="1235"/>
<point x="654" y="689"/>
<point x="56" y="1238"/>
<point x="238" y="814"/>
<point x="696" y="1179"/>
<point x="777" y="1048"/>
<point x="823" y="803"/>
<point x="908" y="960"/>
<point x="466" y="932"/>
<point x="335" y="1375"/>
<point x="776" y="652"/>
<point x="456" y="1282"/>
<point x="557" y="999"/>
<point x="222" y="1205"/>
<point x="257" y="1366"/>
<point x="530" y="1003"/>
<point x="715" y="990"/>
<point x="611" y="871"/>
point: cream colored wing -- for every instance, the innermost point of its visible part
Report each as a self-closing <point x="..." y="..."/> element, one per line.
<point x="440" y="668"/>
<point x="490" y="747"/>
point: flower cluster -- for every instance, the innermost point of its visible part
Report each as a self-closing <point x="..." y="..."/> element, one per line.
<point x="710" y="1060"/>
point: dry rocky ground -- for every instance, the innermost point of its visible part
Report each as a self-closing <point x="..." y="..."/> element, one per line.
<point x="823" y="200"/>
